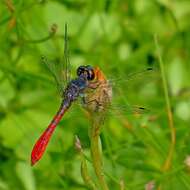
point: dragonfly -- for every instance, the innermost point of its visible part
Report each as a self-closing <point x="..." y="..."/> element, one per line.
<point x="90" y="84"/>
<point x="87" y="78"/>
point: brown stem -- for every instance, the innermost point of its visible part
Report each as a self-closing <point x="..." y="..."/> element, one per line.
<point x="168" y="161"/>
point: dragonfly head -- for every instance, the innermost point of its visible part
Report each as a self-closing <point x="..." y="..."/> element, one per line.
<point x="86" y="71"/>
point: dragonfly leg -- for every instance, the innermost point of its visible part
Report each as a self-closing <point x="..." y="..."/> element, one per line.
<point x="90" y="102"/>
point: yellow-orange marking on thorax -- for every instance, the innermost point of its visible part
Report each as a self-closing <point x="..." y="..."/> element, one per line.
<point x="99" y="76"/>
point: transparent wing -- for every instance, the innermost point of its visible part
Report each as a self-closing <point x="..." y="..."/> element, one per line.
<point x="132" y="79"/>
<point x="66" y="57"/>
<point x="60" y="68"/>
<point x="119" y="109"/>
<point x="136" y="78"/>
<point x="132" y="94"/>
<point x="128" y="109"/>
<point x="57" y="71"/>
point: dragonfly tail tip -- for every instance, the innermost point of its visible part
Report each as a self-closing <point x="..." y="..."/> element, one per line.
<point x="32" y="162"/>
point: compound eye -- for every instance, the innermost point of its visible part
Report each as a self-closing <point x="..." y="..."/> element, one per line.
<point x="86" y="71"/>
<point x="80" y="70"/>
<point x="90" y="74"/>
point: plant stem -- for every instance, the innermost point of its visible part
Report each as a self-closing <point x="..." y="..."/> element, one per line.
<point x="84" y="170"/>
<point x="85" y="175"/>
<point x="96" y="151"/>
<point x="167" y="163"/>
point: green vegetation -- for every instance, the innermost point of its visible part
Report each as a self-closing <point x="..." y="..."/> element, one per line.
<point x="122" y="38"/>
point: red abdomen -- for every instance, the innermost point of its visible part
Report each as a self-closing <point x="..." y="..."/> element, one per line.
<point x="41" y="144"/>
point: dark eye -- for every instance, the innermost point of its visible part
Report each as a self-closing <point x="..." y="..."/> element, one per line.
<point x="90" y="72"/>
<point x="80" y="70"/>
<point x="87" y="71"/>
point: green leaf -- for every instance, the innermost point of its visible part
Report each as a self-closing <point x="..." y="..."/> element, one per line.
<point x="26" y="176"/>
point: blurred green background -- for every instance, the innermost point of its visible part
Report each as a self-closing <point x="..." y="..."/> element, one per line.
<point x="117" y="36"/>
